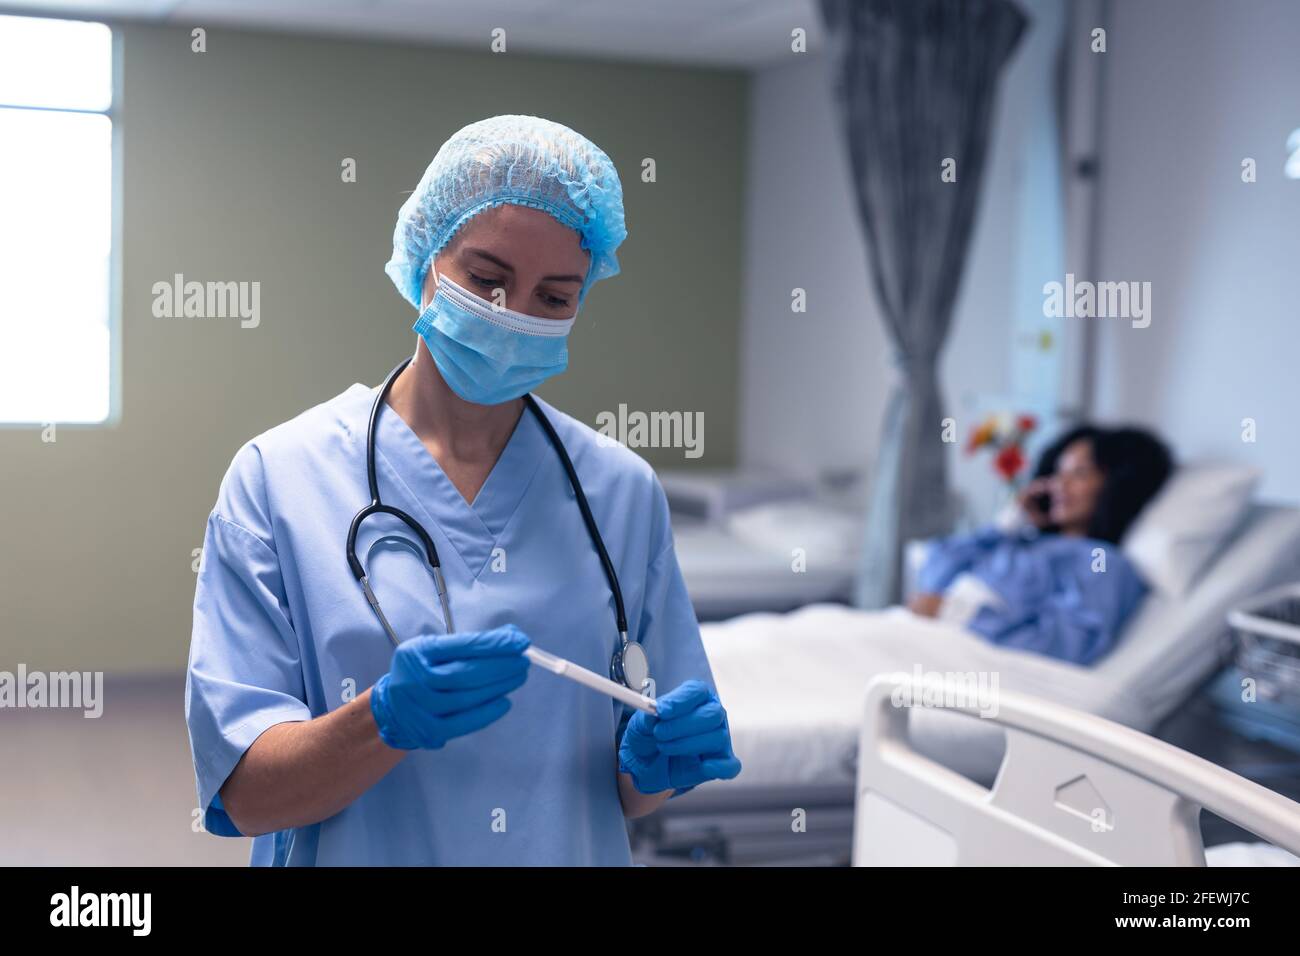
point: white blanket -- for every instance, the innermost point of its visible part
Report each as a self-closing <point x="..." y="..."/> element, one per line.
<point x="793" y="685"/>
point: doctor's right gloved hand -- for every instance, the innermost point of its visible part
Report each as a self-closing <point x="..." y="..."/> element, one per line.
<point x="440" y="687"/>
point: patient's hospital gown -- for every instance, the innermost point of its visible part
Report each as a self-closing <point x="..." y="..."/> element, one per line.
<point x="1062" y="596"/>
<point x="282" y="632"/>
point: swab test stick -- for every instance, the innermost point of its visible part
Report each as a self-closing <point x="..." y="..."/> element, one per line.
<point x="574" y="672"/>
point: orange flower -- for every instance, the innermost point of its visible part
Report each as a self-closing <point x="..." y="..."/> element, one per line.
<point x="983" y="435"/>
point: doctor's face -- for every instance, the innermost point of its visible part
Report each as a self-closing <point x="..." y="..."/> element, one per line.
<point x="1074" y="488"/>
<point x="534" y="260"/>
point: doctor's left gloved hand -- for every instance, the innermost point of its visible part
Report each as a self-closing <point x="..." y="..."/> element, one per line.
<point x="688" y="743"/>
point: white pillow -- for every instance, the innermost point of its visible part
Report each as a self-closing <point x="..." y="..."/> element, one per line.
<point x="1176" y="536"/>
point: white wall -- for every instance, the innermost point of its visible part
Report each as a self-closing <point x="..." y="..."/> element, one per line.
<point x="814" y="385"/>
<point x="1193" y="87"/>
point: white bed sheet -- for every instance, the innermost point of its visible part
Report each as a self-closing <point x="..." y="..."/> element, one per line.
<point x="793" y="684"/>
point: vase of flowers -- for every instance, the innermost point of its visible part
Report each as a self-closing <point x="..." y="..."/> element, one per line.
<point x="1004" y="437"/>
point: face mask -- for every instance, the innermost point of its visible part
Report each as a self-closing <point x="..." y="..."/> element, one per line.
<point x="489" y="355"/>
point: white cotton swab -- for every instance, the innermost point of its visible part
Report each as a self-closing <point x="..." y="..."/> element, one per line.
<point x="575" y="672"/>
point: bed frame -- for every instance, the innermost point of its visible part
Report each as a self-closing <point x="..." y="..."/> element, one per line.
<point x="793" y="825"/>
<point x="1072" y="789"/>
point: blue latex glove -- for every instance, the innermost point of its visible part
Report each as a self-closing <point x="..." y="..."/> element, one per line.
<point x="688" y="743"/>
<point x="440" y="687"/>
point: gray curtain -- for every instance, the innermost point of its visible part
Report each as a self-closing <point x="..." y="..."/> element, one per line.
<point x="914" y="84"/>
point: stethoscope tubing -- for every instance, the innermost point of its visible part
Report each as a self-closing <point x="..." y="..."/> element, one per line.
<point x="377" y="506"/>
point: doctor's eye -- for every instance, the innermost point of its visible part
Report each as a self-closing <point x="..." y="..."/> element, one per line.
<point x="555" y="301"/>
<point x="482" y="282"/>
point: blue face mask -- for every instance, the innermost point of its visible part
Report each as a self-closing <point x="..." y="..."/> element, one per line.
<point x="489" y="355"/>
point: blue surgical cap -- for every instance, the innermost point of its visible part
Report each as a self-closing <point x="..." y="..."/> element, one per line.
<point x="525" y="160"/>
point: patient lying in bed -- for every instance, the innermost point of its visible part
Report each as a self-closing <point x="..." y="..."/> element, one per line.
<point x="1054" y="582"/>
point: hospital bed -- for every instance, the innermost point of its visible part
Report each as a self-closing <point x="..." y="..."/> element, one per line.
<point x="794" y="686"/>
<point x="1072" y="789"/>
<point x="737" y="534"/>
<point x="727" y="575"/>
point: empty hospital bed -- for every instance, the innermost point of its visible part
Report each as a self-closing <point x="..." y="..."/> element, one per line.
<point x="1072" y="789"/>
<point x="727" y="577"/>
<point x="794" y="686"/>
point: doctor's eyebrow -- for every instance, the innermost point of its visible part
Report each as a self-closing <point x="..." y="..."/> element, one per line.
<point x="472" y="250"/>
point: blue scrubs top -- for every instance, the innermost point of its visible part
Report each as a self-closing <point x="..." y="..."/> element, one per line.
<point x="282" y="632"/>
<point x="1056" y="598"/>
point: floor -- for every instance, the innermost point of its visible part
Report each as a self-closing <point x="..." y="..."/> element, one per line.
<point x="113" y="790"/>
<point x="1196" y="728"/>
<point x="119" y="790"/>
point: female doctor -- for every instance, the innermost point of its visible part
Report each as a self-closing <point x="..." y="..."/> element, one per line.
<point x="340" y="730"/>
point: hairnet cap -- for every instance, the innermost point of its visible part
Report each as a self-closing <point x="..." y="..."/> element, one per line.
<point x="525" y="160"/>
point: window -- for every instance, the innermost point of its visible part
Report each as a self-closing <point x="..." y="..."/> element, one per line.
<point x="56" y="216"/>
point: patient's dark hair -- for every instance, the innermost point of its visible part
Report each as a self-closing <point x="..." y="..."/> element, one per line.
<point x="1135" y="463"/>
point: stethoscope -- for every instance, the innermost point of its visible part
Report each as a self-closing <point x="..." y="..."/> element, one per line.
<point x="629" y="665"/>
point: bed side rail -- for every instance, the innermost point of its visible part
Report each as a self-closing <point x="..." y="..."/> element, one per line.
<point x="1073" y="788"/>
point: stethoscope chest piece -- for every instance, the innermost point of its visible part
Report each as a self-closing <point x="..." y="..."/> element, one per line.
<point x="630" y="666"/>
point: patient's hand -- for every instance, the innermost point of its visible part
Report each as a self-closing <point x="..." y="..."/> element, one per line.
<point x="926" y="605"/>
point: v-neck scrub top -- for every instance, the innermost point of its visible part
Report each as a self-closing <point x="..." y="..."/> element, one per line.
<point x="282" y="632"/>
